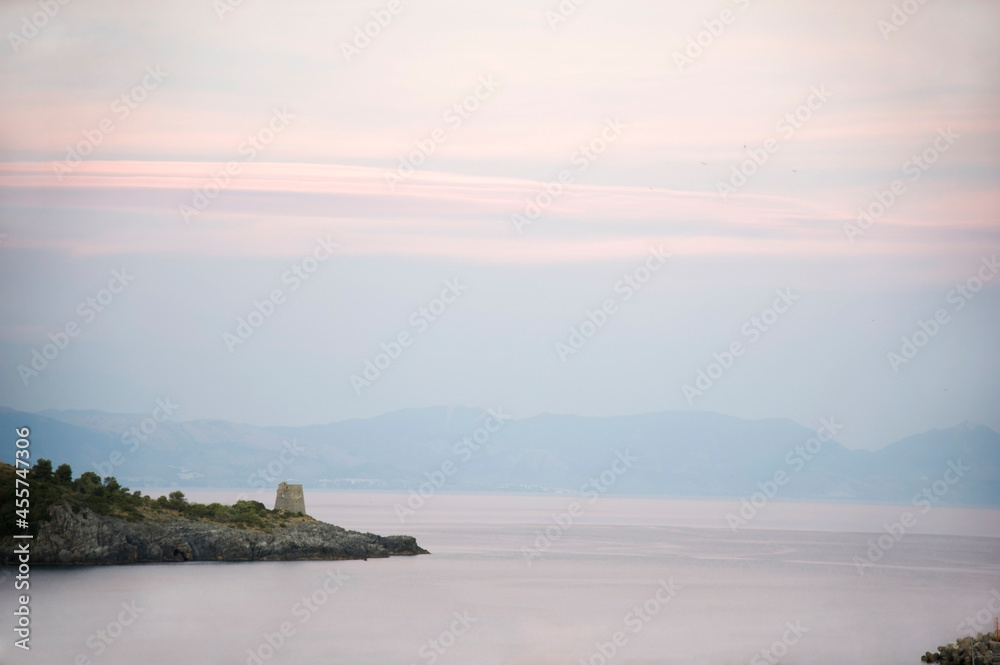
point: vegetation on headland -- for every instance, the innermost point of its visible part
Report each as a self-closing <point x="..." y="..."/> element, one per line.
<point x="48" y="487"/>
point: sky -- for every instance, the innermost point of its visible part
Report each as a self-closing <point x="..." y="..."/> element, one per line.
<point x="601" y="208"/>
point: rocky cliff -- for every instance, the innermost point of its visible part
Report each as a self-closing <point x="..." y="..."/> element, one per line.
<point x="82" y="536"/>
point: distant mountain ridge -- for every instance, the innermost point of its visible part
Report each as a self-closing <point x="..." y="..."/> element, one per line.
<point x="681" y="454"/>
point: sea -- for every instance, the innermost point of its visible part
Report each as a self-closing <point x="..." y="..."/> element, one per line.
<point x="542" y="580"/>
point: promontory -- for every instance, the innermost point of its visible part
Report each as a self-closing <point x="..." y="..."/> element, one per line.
<point x="93" y="521"/>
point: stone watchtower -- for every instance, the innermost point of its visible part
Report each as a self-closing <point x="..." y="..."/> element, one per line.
<point x="290" y="498"/>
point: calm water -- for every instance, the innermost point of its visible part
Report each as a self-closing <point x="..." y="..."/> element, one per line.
<point x="734" y="595"/>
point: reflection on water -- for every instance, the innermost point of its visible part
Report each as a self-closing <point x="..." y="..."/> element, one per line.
<point x="632" y="581"/>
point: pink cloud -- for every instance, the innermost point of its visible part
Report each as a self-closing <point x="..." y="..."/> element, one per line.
<point x="268" y="208"/>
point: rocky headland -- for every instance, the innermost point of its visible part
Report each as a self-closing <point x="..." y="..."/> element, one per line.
<point x="90" y="521"/>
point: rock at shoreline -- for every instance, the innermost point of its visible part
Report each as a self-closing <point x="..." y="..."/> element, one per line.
<point x="983" y="649"/>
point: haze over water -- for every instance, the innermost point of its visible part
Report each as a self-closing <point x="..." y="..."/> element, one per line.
<point x="244" y="242"/>
<point x="734" y="594"/>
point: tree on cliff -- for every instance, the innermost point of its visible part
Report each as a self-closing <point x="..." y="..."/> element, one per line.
<point x="63" y="475"/>
<point x="42" y="470"/>
<point x="177" y="501"/>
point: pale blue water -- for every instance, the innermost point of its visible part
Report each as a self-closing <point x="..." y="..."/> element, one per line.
<point x="734" y="594"/>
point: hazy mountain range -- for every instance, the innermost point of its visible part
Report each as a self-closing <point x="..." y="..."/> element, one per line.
<point x="694" y="454"/>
